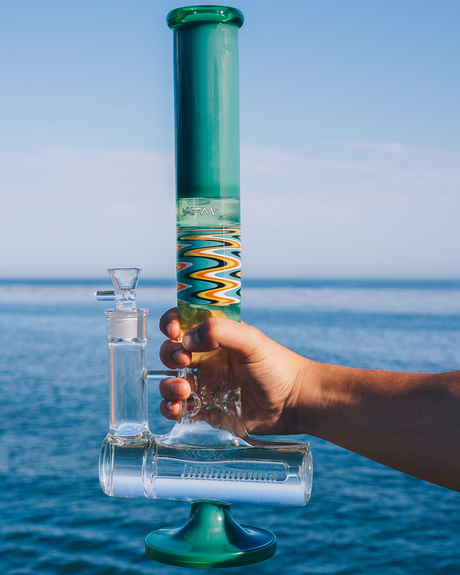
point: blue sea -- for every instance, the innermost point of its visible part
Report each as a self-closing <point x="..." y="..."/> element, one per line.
<point x="363" y="518"/>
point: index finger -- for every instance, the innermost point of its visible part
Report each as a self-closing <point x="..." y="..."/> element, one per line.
<point x="170" y="324"/>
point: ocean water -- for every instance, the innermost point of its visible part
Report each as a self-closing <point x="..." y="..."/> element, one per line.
<point x="362" y="518"/>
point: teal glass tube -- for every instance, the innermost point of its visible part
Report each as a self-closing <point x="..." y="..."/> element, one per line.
<point x="207" y="162"/>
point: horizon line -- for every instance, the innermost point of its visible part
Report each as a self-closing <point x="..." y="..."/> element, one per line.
<point x="271" y="280"/>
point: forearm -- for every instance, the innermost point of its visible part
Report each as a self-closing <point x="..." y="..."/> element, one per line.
<point x="410" y="422"/>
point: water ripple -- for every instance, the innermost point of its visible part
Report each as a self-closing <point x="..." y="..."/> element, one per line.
<point x="363" y="518"/>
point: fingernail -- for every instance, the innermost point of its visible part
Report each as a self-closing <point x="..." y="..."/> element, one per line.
<point x="176" y="388"/>
<point x="169" y="405"/>
<point x="169" y="328"/>
<point x="178" y="356"/>
<point x="191" y="340"/>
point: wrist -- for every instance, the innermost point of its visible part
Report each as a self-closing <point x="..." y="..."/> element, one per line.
<point x="306" y="401"/>
<point x="317" y="400"/>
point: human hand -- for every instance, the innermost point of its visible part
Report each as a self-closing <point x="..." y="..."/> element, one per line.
<point x="236" y="355"/>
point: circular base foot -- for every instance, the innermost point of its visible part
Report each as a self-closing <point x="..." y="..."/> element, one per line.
<point x="210" y="538"/>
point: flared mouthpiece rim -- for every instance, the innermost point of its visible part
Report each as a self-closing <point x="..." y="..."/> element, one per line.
<point x="193" y="15"/>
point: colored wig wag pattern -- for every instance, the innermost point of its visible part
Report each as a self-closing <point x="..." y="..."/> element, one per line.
<point x="209" y="266"/>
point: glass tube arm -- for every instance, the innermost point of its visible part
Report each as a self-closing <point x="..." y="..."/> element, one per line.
<point x="160" y="374"/>
<point x="105" y="295"/>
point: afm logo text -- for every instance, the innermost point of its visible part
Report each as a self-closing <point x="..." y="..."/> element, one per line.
<point x="199" y="211"/>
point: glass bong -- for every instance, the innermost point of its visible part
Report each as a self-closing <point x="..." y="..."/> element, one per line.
<point x="208" y="458"/>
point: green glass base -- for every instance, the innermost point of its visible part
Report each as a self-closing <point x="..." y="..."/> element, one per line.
<point x="210" y="538"/>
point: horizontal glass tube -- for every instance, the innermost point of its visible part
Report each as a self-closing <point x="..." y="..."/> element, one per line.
<point x="272" y="474"/>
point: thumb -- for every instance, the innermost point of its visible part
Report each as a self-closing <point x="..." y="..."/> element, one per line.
<point x="247" y="343"/>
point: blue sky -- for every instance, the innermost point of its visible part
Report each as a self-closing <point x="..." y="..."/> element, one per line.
<point x="349" y="138"/>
